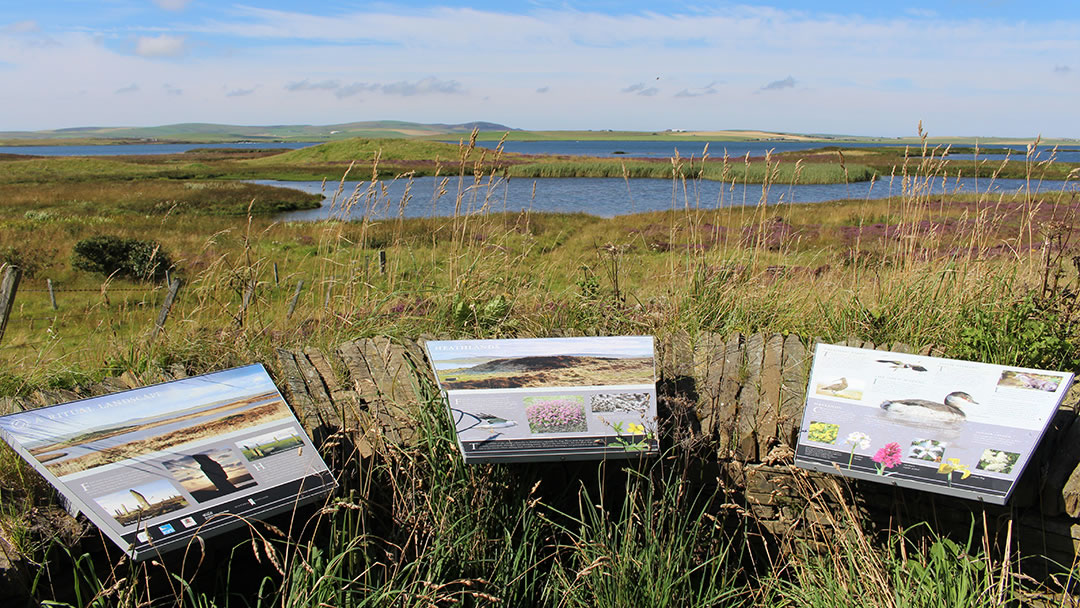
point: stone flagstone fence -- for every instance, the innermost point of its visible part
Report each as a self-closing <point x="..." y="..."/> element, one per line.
<point x="738" y="398"/>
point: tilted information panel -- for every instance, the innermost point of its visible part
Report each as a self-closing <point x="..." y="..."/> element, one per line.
<point x="941" y="425"/>
<point x="155" y="466"/>
<point x="541" y="399"/>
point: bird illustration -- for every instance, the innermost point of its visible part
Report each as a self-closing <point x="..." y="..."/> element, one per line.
<point x="924" y="410"/>
<point x="487" y="421"/>
<point x="902" y="365"/>
<point x="835" y="387"/>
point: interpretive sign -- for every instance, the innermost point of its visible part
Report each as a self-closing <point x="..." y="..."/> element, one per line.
<point x="952" y="427"/>
<point x="155" y="466"/>
<point x="549" y="398"/>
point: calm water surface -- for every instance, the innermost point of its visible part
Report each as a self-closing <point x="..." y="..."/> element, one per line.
<point x="604" y="197"/>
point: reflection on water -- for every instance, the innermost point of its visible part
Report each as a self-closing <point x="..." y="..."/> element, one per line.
<point x="608" y="197"/>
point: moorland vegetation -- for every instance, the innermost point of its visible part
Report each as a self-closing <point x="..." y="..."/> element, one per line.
<point x="986" y="277"/>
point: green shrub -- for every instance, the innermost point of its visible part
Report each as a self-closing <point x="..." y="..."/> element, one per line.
<point x="1030" y="331"/>
<point x="120" y="257"/>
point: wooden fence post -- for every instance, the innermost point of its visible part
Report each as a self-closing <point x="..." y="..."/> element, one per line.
<point x="275" y="275"/>
<point x="295" y="298"/>
<point x="52" y="294"/>
<point x="382" y="262"/>
<point x="166" y="306"/>
<point x="8" y="285"/>
<point x="249" y="294"/>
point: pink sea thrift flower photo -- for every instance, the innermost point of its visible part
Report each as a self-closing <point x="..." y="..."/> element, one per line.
<point x="556" y="415"/>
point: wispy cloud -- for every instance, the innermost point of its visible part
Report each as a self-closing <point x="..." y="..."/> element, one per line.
<point x="709" y="89"/>
<point x="131" y="88"/>
<point x="435" y="62"/>
<point x="921" y="13"/>
<point x="160" y="46"/>
<point x="240" y="92"/>
<point x="172" y="5"/>
<point x="424" y="86"/>
<point x="171" y="90"/>
<point x="355" y="88"/>
<point x="776" y="85"/>
<point x="642" y="89"/>
<point x="21" y="27"/>
<point x="404" y="88"/>
<point x="307" y="85"/>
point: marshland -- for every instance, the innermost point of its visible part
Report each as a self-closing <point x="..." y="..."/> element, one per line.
<point x="988" y="276"/>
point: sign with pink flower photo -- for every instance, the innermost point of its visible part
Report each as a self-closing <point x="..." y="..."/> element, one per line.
<point x="941" y="425"/>
<point x="537" y="399"/>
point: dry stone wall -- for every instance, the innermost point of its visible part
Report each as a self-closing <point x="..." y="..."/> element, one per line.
<point x="736" y="398"/>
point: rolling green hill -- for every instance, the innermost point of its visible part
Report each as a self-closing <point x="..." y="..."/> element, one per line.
<point x="211" y="133"/>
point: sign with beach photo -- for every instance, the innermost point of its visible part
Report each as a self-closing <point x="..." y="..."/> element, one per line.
<point x="155" y="466"/>
<point x="549" y="398"/>
<point x="942" y="425"/>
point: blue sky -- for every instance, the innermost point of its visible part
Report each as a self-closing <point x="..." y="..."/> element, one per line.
<point x="963" y="67"/>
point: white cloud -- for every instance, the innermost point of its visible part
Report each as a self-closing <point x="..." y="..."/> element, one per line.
<point x="21" y="27"/>
<point x="172" y="5"/>
<point x="240" y="92"/>
<point x="640" y="89"/>
<point x="403" y="88"/>
<point x="131" y="88"/>
<point x="424" y="86"/>
<point x="306" y="85"/>
<point x="160" y="46"/>
<point x="561" y="68"/>
<point x="709" y="89"/>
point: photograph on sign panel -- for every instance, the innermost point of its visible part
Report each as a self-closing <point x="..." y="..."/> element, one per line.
<point x="104" y="430"/>
<point x="210" y="473"/>
<point x="142" y="502"/>
<point x="269" y="444"/>
<point x="539" y="363"/>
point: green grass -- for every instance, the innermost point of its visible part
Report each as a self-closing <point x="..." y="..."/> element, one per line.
<point x="733" y="171"/>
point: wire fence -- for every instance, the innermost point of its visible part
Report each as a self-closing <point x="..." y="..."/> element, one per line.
<point x="56" y="307"/>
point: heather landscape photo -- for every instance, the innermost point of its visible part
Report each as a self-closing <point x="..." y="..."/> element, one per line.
<point x="544" y="363"/>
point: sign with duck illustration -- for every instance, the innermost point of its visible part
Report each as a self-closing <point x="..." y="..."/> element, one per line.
<point x="158" y="466"/>
<point x="540" y="399"/>
<point x="953" y="427"/>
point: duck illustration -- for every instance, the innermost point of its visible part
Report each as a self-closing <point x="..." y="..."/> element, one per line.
<point x="902" y="365"/>
<point x="835" y="387"/>
<point x="924" y="410"/>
